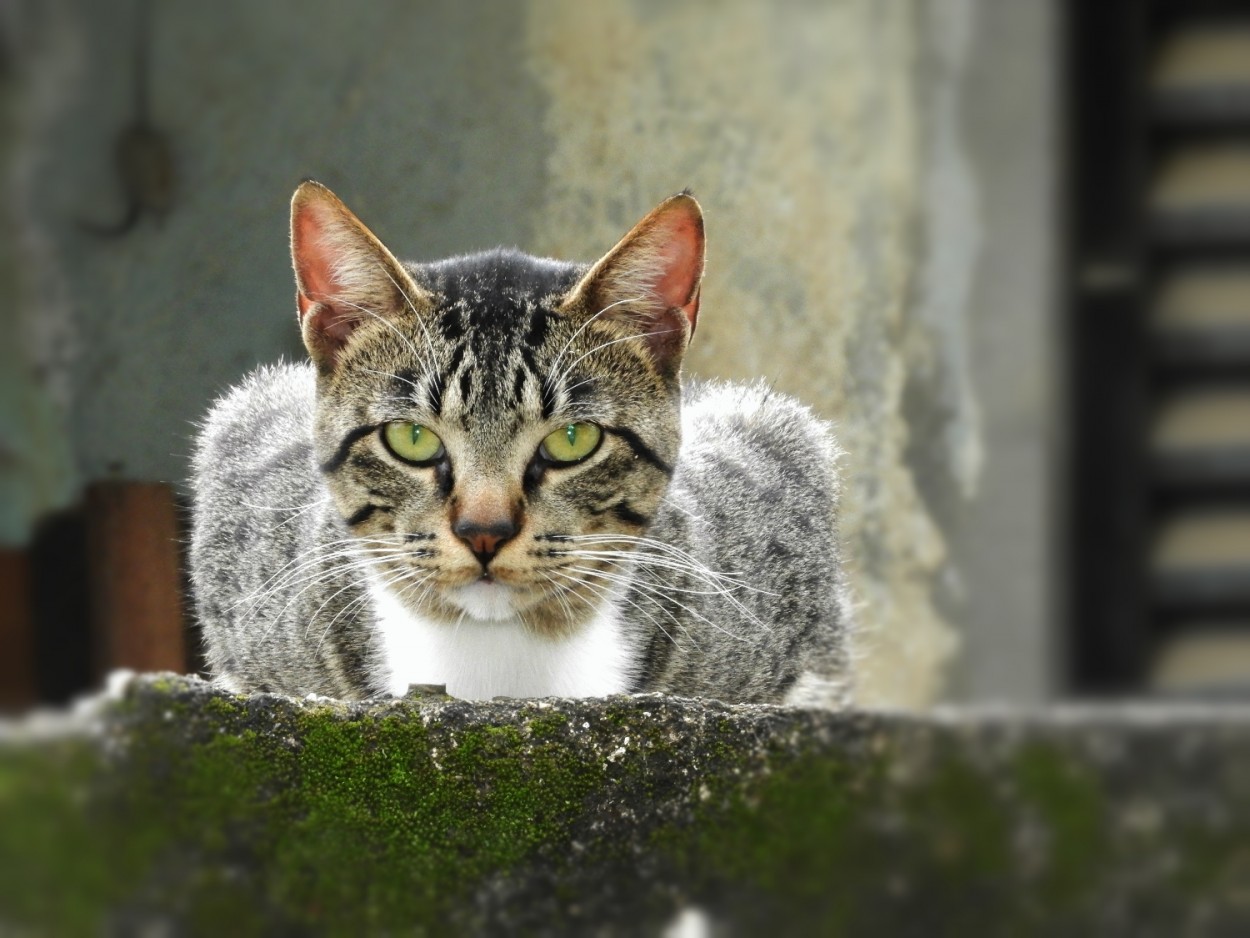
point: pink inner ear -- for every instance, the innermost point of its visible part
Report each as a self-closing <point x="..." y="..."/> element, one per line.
<point x="680" y="262"/>
<point x="313" y="264"/>
<point x="327" y="316"/>
<point x="681" y="256"/>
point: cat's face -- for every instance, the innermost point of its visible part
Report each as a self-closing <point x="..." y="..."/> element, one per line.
<point x="497" y="430"/>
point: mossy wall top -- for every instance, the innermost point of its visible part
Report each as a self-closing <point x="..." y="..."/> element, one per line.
<point x="190" y="809"/>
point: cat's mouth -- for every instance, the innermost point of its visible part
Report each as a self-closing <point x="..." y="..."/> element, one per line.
<point x="503" y="595"/>
<point x="496" y="575"/>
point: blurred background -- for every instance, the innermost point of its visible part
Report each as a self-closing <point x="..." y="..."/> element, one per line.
<point x="1004" y="244"/>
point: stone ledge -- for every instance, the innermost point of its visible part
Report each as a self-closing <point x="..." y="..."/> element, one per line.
<point x="182" y="808"/>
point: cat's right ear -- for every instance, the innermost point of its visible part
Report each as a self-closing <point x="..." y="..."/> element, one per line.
<point x="343" y="274"/>
<point x="650" y="281"/>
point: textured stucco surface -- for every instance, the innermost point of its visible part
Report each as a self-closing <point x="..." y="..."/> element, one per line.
<point x="178" y="809"/>
<point x="798" y="127"/>
<point x="37" y="471"/>
<point x="1006" y="589"/>
<point x="415" y="134"/>
<point x="826" y="142"/>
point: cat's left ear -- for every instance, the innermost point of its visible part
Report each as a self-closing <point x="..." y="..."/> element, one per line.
<point x="651" y="279"/>
<point x="344" y="275"/>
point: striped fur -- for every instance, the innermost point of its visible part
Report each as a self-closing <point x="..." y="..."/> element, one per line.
<point x="693" y="552"/>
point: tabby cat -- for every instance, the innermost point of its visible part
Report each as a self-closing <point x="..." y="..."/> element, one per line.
<point x="489" y="476"/>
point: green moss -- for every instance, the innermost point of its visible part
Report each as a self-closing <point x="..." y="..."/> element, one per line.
<point x="56" y="873"/>
<point x="1073" y="813"/>
<point x="391" y="820"/>
<point x="848" y="849"/>
<point x="772" y="851"/>
<point x="1210" y="860"/>
<point x="363" y="817"/>
<point x="965" y="827"/>
<point x="550" y="726"/>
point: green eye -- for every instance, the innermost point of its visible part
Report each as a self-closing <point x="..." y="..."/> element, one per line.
<point x="412" y="442"/>
<point x="571" y="443"/>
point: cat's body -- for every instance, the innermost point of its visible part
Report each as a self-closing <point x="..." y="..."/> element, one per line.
<point x="555" y="516"/>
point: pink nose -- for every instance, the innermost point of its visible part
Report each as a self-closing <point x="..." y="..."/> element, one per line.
<point x="485" y="538"/>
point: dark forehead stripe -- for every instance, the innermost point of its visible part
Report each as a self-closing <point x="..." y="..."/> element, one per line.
<point x="494" y="312"/>
<point x="443" y="378"/>
<point x="434" y="394"/>
<point x="580" y="387"/>
<point x="420" y="387"/>
<point x="453" y="324"/>
<point x="495" y="296"/>
<point x="537" y="333"/>
<point x="500" y="295"/>
<point x="569" y="388"/>
<point x="404" y="382"/>
<point x="518" y="385"/>
<point x="527" y="356"/>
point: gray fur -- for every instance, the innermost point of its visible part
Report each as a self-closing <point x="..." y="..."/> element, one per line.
<point x="713" y="507"/>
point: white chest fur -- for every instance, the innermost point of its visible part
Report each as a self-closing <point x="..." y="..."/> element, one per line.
<point x="478" y="660"/>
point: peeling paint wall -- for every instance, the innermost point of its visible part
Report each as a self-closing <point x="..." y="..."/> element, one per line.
<point x="826" y="141"/>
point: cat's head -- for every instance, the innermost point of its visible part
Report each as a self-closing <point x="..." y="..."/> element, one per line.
<point x="497" y="430"/>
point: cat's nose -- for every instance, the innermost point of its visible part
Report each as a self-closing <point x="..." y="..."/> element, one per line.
<point x="485" y="536"/>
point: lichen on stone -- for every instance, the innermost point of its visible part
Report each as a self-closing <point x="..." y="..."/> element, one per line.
<point x="187" y="808"/>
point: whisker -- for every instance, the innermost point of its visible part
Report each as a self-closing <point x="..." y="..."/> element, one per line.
<point x="323" y="566"/>
<point x="656" y="592"/>
<point x="667" y="563"/>
<point x="612" y="595"/>
<point x="430" y="369"/>
<point x="254" y="507"/>
<point x="311" y="582"/>
<point x="318" y="554"/>
<point x="669" y="550"/>
<point x="713" y="589"/>
<point x="580" y="329"/>
<point x="423" y="360"/>
<point x="361" y="600"/>
<point x="682" y="508"/>
<point x="627" y="338"/>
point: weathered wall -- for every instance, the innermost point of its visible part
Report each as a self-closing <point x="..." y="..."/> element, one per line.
<point x="37" y="469"/>
<point x="798" y="126"/>
<point x="825" y="140"/>
<point x="984" y="436"/>
<point x="189" y="811"/>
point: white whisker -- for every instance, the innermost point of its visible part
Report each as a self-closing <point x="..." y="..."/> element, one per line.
<point x="610" y="595"/>
<point x="662" y="592"/>
<point x="617" y="341"/>
<point x="582" y="328"/>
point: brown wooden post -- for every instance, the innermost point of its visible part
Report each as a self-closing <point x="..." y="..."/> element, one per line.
<point x="136" y="587"/>
<point x="17" y="633"/>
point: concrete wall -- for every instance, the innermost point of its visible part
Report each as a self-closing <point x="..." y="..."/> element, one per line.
<point x="178" y="809"/>
<point x="1005" y="594"/>
<point x="854" y="206"/>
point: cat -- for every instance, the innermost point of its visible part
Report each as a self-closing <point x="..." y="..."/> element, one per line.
<point x="490" y="477"/>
